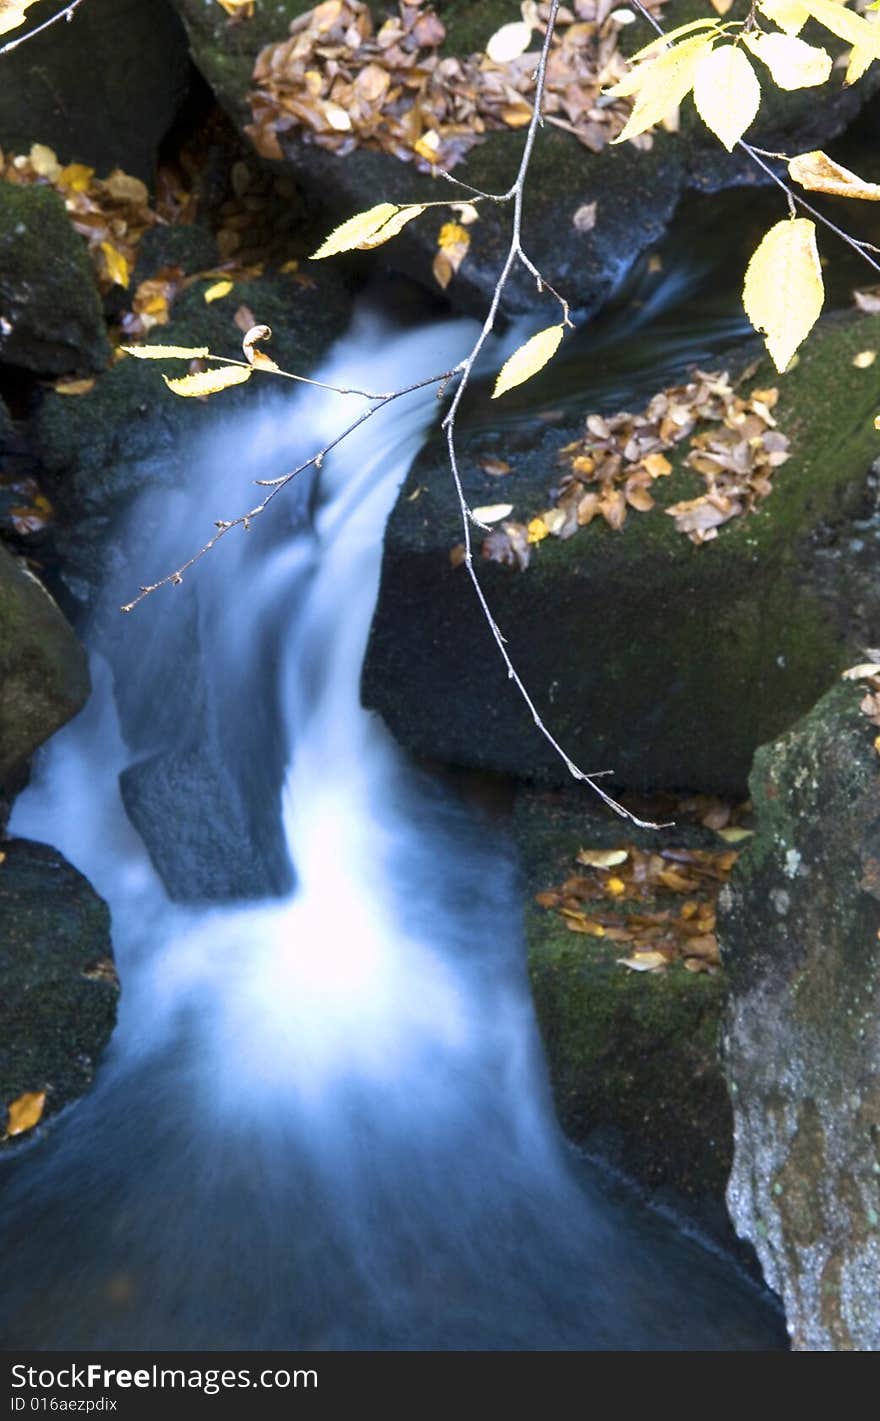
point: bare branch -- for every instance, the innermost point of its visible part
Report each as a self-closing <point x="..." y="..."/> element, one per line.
<point x="244" y="520"/>
<point x="65" y="14"/>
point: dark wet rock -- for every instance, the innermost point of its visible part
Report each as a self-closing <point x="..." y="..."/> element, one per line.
<point x="102" y="90"/>
<point x="664" y="662"/>
<point x="58" y="987"/>
<point x="44" y="677"/>
<point x="632" y="1056"/>
<point x="51" y="319"/>
<point x="799" y="924"/>
<point x="205" y="841"/>
<point x="636" y="192"/>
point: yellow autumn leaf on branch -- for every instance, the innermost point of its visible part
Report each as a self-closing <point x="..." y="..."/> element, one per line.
<point x="783" y="291"/>
<point x="793" y="63"/>
<point x="13" y="13"/>
<point x="453" y="242"/>
<point x="391" y="228"/>
<point x="660" y="84"/>
<point x="847" y="25"/>
<point x="208" y="382"/>
<point x="819" y="173"/>
<point x="367" y="229"/>
<point x="727" y="94"/>
<point x="789" y="15"/>
<point x="528" y="360"/>
<point x="167" y="352"/>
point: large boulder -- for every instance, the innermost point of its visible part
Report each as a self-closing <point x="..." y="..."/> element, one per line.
<point x="665" y="662"/>
<point x="58" y="987"/>
<point x="799" y="927"/>
<point x="102" y="90"/>
<point x="44" y="678"/>
<point x="632" y="1056"/>
<point x="636" y="192"/>
<point x="51" y="319"/>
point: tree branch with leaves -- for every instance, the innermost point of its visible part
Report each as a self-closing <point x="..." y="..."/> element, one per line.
<point x="783" y="291"/>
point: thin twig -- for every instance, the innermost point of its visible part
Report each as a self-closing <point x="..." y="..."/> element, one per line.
<point x="244" y="520"/>
<point x="515" y="253"/>
<point x="65" y="14"/>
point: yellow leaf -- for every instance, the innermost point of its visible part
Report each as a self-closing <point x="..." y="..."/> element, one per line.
<point x="721" y="7"/>
<point x="735" y="835"/>
<point x="664" y="41"/>
<point x="864" y="359"/>
<point x="356" y="230"/>
<point x="643" y="961"/>
<point x="661" y="84"/>
<point x="44" y="161"/>
<point x="218" y="290"/>
<point x="25" y="1112"/>
<point x="391" y="228"/>
<point x="208" y="382"/>
<point x="528" y="360"/>
<point x="793" y="63"/>
<point x="783" y="291"/>
<point x="492" y="512"/>
<point x="167" y="352"/>
<point x="860" y="59"/>
<point x="819" y="173"/>
<point x="252" y="338"/>
<point x="726" y="93"/>
<point x="337" y="118"/>
<point x="244" y="8"/>
<point x="74" y="387"/>
<point x="75" y="177"/>
<point x="602" y="858"/>
<point x="616" y="887"/>
<point x="13" y="13"/>
<point x="789" y="15"/>
<point x="862" y="672"/>
<point x="509" y="42"/>
<point x="537" y="530"/>
<point x="118" y="268"/>
<point x="845" y="24"/>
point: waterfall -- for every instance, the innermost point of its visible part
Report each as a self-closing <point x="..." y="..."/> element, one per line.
<point x="323" y="1121"/>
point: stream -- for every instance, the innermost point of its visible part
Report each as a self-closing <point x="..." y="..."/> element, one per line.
<point x="324" y="1119"/>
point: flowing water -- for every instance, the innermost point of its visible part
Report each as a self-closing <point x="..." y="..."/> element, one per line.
<point x="323" y="1121"/>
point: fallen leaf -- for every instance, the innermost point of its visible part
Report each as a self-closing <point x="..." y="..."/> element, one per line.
<point x="584" y="219"/>
<point x="217" y="290"/>
<point x="509" y="42"/>
<point x="74" y="387"/>
<point x="864" y="359"/>
<point x="492" y="512"/>
<point x="602" y="858"/>
<point x="735" y="835"/>
<point x="25" y="1112"/>
<point x="644" y="962"/>
<point x="496" y="468"/>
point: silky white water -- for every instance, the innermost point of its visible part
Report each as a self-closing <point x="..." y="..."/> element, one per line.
<point x="323" y="1120"/>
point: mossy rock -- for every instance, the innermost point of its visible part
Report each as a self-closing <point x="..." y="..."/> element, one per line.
<point x="51" y="319"/>
<point x="636" y="192"/>
<point x="58" y="989"/>
<point x="799" y="924"/>
<point x="632" y="1056"/>
<point x="44" y="677"/>
<point x="664" y="662"/>
<point x="102" y="90"/>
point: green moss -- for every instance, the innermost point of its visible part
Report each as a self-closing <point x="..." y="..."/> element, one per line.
<point x="633" y="1057"/>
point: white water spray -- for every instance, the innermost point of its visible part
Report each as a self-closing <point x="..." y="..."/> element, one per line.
<point x="323" y="1121"/>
